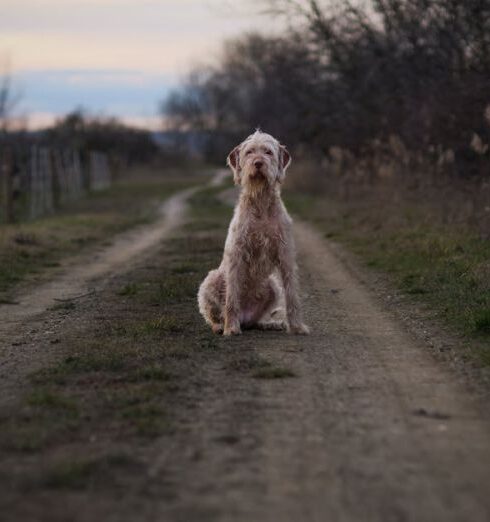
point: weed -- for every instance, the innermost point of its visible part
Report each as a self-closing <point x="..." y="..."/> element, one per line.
<point x="261" y="368"/>
<point x="89" y="362"/>
<point x="149" y="373"/>
<point x="481" y="321"/>
<point x="249" y="362"/>
<point x="48" y="400"/>
<point x="71" y="475"/>
<point x="208" y="342"/>
<point x="185" y="268"/>
<point x="162" y="325"/>
<point x="7" y="300"/>
<point x="82" y="474"/>
<point x="175" y="289"/>
<point x="129" y="290"/>
<point x="273" y="372"/>
<point x="65" y="305"/>
<point x="147" y="419"/>
<point x="23" y="437"/>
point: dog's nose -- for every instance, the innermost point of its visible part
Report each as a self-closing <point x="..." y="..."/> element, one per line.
<point x="258" y="164"/>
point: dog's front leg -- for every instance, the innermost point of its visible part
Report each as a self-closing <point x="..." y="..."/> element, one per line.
<point x="289" y="275"/>
<point x="232" y="302"/>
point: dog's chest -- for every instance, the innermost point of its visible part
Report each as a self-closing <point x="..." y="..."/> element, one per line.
<point x="261" y="241"/>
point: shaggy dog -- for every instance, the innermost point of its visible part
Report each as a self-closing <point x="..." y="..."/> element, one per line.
<point x="256" y="284"/>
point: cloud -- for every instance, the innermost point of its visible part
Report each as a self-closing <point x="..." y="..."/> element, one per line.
<point x="63" y="51"/>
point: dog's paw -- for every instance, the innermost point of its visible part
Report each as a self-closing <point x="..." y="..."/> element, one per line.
<point x="273" y="325"/>
<point x="299" y="329"/>
<point x="217" y="328"/>
<point x="232" y="330"/>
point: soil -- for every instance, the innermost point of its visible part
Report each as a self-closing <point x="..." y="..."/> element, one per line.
<point x="361" y="423"/>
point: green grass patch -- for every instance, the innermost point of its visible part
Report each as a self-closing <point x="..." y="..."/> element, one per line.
<point x="45" y="416"/>
<point x="175" y="288"/>
<point x="151" y="372"/>
<point x="71" y="475"/>
<point x="48" y="400"/>
<point x="273" y="372"/>
<point x="185" y="268"/>
<point x="128" y="290"/>
<point x="79" y="474"/>
<point x="157" y="327"/>
<point x="481" y="321"/>
<point x="247" y="363"/>
<point x="63" y="306"/>
<point x="94" y="360"/>
<point x="259" y="367"/>
<point x="147" y="419"/>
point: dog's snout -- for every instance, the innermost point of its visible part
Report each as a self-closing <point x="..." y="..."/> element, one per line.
<point x="258" y="164"/>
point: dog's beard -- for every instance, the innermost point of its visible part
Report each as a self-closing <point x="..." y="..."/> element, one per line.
<point x="258" y="187"/>
<point x="257" y="177"/>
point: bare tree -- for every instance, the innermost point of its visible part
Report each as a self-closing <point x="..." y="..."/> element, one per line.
<point x="352" y="72"/>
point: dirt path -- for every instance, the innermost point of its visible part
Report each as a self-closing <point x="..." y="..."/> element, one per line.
<point x="365" y="425"/>
<point x="79" y="274"/>
<point x="79" y="277"/>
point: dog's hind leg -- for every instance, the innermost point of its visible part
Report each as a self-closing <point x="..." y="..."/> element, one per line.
<point x="211" y="300"/>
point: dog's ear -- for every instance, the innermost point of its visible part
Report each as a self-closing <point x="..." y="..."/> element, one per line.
<point x="233" y="161"/>
<point x="284" y="162"/>
<point x="284" y="157"/>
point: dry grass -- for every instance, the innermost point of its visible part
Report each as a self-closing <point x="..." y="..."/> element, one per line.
<point x="441" y="262"/>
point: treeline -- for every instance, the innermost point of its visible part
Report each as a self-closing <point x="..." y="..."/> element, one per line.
<point x="84" y="133"/>
<point x="350" y="77"/>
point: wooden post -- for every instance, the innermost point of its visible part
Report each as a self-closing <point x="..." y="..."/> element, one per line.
<point x="55" y="178"/>
<point x="8" y="196"/>
<point x="33" y="183"/>
<point x="47" y="169"/>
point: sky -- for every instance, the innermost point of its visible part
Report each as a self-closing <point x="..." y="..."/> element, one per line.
<point x="112" y="57"/>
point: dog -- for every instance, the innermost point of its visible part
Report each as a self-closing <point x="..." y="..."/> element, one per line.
<point x="256" y="284"/>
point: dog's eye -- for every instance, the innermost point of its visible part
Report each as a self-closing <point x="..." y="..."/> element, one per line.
<point x="269" y="152"/>
<point x="249" y="151"/>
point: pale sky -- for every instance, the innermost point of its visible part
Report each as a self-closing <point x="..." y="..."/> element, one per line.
<point x="113" y="57"/>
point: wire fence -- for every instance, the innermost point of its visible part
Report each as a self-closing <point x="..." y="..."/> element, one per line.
<point x="38" y="181"/>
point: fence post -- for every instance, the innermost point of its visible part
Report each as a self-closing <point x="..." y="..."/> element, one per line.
<point x="47" y="170"/>
<point x="8" y="195"/>
<point x="33" y="183"/>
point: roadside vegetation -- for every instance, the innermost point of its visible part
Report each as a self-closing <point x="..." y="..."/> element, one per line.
<point x="442" y="266"/>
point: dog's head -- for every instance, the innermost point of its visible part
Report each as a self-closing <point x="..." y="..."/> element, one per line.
<point x="259" y="159"/>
